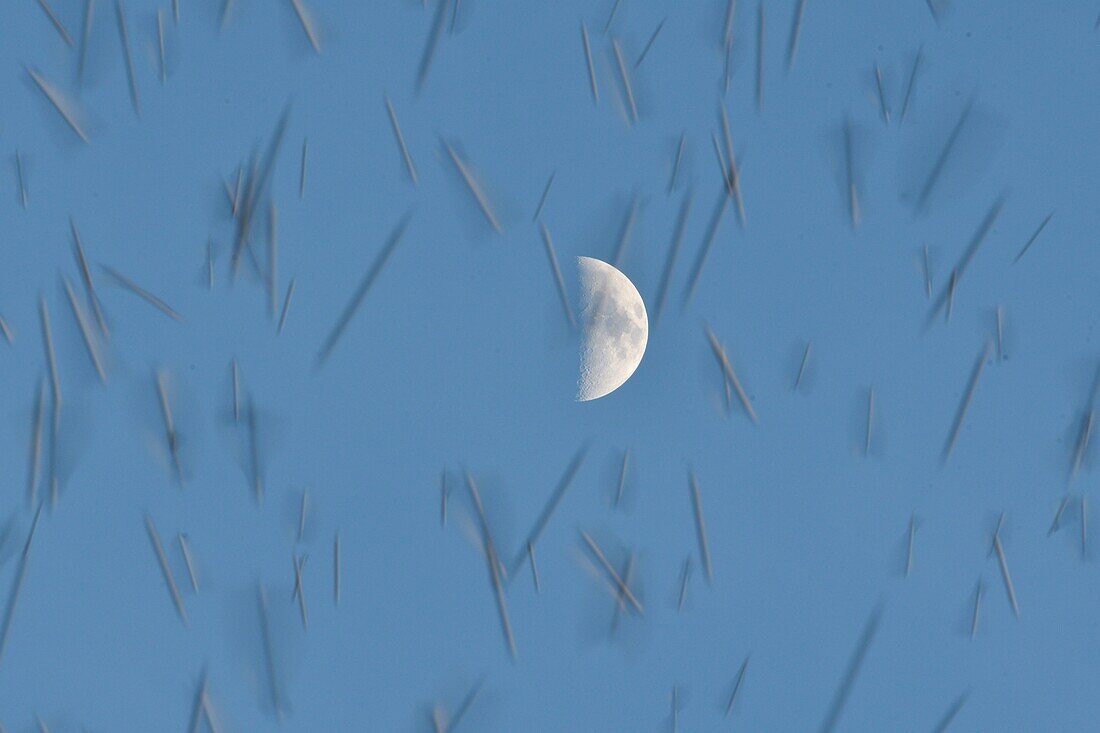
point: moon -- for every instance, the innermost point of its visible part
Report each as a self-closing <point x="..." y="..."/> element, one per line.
<point x="616" y="329"/>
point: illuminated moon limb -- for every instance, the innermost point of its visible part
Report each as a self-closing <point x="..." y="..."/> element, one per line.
<point x="616" y="329"/>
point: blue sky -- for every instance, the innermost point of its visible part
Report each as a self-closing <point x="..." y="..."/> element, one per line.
<point x="460" y="359"/>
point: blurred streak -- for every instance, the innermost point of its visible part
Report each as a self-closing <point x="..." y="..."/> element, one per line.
<point x="588" y="61"/>
<point x="431" y="44"/>
<point x="628" y="89"/>
<point x="559" y="282"/>
<point x="620" y="599"/>
<point x="272" y="259"/>
<point x="160" y="46"/>
<point x="454" y="15"/>
<point x="494" y="566"/>
<point x="534" y="567"/>
<point x="236" y="388"/>
<point x="169" y="424"/>
<point x="1086" y="430"/>
<point x="67" y="109"/>
<point x="704" y="251"/>
<point x="185" y="550"/>
<point x="869" y="430"/>
<point x="701" y="526"/>
<point x="304" y="508"/>
<point x="852" y="672"/>
<point x="204" y="708"/>
<point x="449" y="726"/>
<point x="200" y="705"/>
<point x="85" y="330"/>
<point x="733" y="177"/>
<point x="255" y="466"/>
<point x="624" y="235"/>
<point x="162" y="560"/>
<point x="909" y="548"/>
<point x="1084" y="527"/>
<point x="676" y="162"/>
<point x="51" y="361"/>
<point x="1009" y="588"/>
<point x="34" y="470"/>
<point x="967" y="256"/>
<point x="56" y="22"/>
<point x="796" y="32"/>
<point x="910" y="85"/>
<point x="142" y="293"/>
<point x="286" y="304"/>
<point x="17" y="584"/>
<point x="1034" y="236"/>
<point x="548" y="510"/>
<point x="86" y="276"/>
<point x="977" y="610"/>
<point x="649" y="43"/>
<point x="685" y="576"/>
<point x="727" y="370"/>
<point x="802" y="365"/>
<point x="884" y="108"/>
<point x="927" y="272"/>
<point x="612" y="573"/>
<point x="258" y="182"/>
<point x="401" y="141"/>
<point x="124" y="36"/>
<point x="727" y="32"/>
<point x="444" y="494"/>
<point x="964" y="404"/>
<point x="1055" y="525"/>
<point x="670" y="262"/>
<point x="598" y="575"/>
<point x="55" y="439"/>
<point x="269" y="655"/>
<point x="364" y="288"/>
<point x="21" y="180"/>
<point x="309" y="25"/>
<point x="611" y="16"/>
<point x="542" y="199"/>
<point x="951" y="296"/>
<point x="622" y="478"/>
<point x="302" y="169"/>
<point x="947" y="156"/>
<point x="89" y="9"/>
<point x="849" y="167"/>
<point x="7" y="538"/>
<point x="937" y="167"/>
<point x="760" y="57"/>
<point x="300" y="591"/>
<point x="737" y="686"/>
<point x="475" y="188"/>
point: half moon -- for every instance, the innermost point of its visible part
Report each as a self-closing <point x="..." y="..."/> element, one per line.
<point x="616" y="329"/>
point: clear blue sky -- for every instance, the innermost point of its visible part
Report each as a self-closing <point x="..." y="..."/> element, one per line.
<point x="460" y="359"/>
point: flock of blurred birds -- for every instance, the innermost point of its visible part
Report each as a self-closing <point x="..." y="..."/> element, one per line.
<point x="254" y="248"/>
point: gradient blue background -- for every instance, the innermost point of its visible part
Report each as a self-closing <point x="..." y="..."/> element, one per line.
<point x="460" y="358"/>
